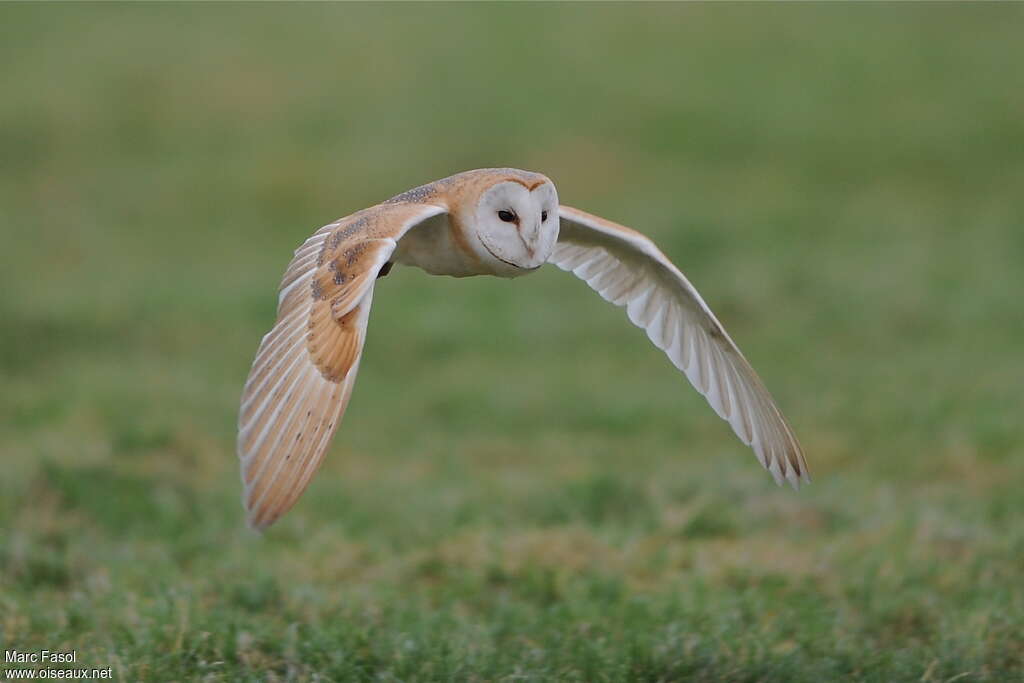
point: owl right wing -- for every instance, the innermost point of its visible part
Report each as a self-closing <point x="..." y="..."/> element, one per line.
<point x="627" y="269"/>
<point x="302" y="377"/>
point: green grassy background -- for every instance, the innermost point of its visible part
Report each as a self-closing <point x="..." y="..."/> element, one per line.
<point x="523" y="488"/>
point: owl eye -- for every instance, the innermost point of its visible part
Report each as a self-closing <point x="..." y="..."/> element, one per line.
<point x="543" y="216"/>
<point x="507" y="216"/>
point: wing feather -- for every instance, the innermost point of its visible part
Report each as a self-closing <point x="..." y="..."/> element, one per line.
<point x="627" y="269"/>
<point x="304" y="371"/>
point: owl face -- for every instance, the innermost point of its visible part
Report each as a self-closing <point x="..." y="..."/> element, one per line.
<point x="517" y="226"/>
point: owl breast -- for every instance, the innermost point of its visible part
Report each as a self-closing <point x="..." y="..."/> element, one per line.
<point x="439" y="246"/>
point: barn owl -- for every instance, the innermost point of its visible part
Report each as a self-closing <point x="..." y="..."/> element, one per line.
<point x="504" y="222"/>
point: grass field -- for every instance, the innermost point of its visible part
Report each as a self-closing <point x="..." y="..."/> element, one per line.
<point x="523" y="488"/>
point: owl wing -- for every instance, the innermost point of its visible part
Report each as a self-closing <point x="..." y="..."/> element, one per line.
<point x="627" y="269"/>
<point x="302" y="377"/>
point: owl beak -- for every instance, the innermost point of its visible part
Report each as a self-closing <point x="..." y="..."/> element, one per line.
<point x="535" y="247"/>
<point x="530" y="240"/>
<point x="535" y="239"/>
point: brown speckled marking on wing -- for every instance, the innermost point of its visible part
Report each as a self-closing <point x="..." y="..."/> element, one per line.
<point x="305" y="368"/>
<point x="337" y="287"/>
<point x="352" y="255"/>
<point x="333" y="343"/>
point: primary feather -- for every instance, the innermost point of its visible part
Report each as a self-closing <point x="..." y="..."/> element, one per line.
<point x="628" y="270"/>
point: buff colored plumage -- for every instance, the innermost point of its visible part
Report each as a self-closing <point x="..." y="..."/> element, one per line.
<point x="502" y="222"/>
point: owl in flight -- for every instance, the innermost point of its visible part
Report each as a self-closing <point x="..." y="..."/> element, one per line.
<point x="495" y="221"/>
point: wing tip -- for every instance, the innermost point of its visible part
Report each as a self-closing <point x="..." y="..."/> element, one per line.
<point x="793" y="478"/>
<point x="805" y="474"/>
<point x="253" y="525"/>
<point x="796" y="472"/>
<point x="256" y="524"/>
<point x="258" y="518"/>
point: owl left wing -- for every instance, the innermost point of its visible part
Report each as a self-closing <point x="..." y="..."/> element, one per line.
<point x="627" y="269"/>
<point x="305" y="368"/>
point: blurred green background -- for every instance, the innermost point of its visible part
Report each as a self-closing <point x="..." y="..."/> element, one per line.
<point x="523" y="487"/>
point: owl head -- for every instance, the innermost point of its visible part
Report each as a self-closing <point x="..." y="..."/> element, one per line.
<point x="515" y="221"/>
